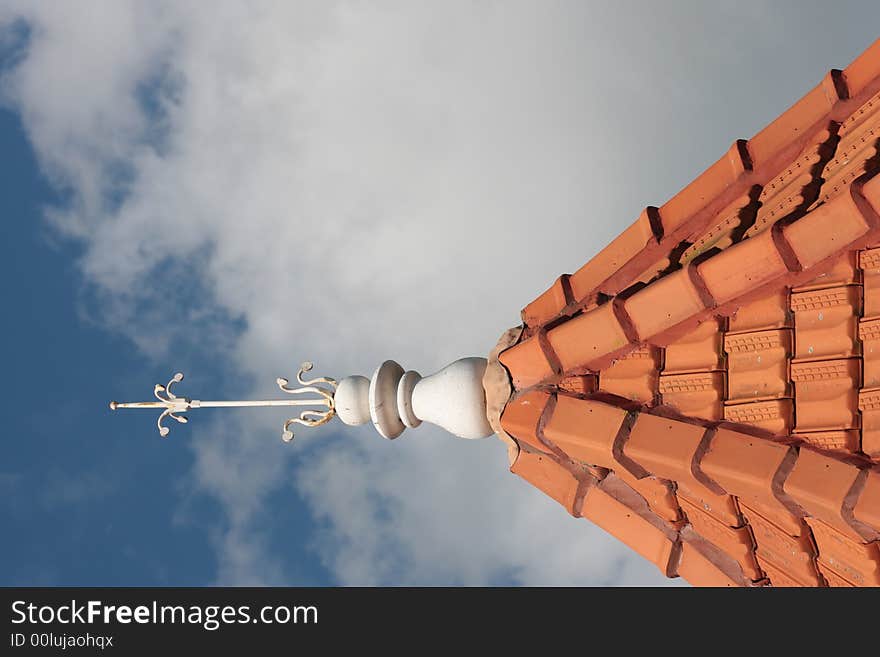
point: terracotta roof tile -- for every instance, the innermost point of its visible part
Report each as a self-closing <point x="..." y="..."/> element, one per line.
<point x="697" y="351"/>
<point x="797" y="185"/>
<point x="798" y="121"/>
<point x="634" y="376"/>
<point x="777" y="576"/>
<point x="867" y="508"/>
<point x="777" y="515"/>
<point x="705" y="188"/>
<point x="666" y="448"/>
<point x="698" y="395"/>
<point x="545" y="473"/>
<point x="833" y="579"/>
<point x="527" y="363"/>
<point x="864" y="70"/>
<point x="737" y="542"/>
<point x="821" y="485"/>
<point x="521" y="415"/>
<point x="664" y="303"/>
<point x="583" y="341"/>
<point x="793" y="555"/>
<point x="826" y="322"/>
<point x="550" y="304"/>
<point x="698" y="569"/>
<point x="743" y="267"/>
<point x="846" y="441"/>
<point x="774" y="415"/>
<point x="626" y="525"/>
<point x="579" y="384"/>
<point x="826" y="394"/>
<point x="757" y="364"/>
<point x="725" y="228"/>
<point x="869" y="405"/>
<point x="822" y="233"/>
<point x="843" y="272"/>
<point x="855" y="561"/>
<point x="624" y="254"/>
<point x="869" y="335"/>
<point x="768" y="312"/>
<point x="658" y="494"/>
<point x="585" y="430"/>
<point x="751" y="468"/>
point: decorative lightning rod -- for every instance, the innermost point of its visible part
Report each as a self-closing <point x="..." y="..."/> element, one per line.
<point x="392" y="399"/>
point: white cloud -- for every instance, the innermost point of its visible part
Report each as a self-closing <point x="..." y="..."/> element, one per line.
<point x="362" y="181"/>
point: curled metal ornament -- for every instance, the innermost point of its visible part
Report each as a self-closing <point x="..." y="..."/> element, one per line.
<point x="172" y="406"/>
<point x="310" y="418"/>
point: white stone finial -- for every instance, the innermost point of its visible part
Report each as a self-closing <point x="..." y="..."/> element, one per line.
<point x="452" y="398"/>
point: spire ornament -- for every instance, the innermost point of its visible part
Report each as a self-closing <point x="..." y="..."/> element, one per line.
<point x="172" y="405"/>
<point x="393" y="400"/>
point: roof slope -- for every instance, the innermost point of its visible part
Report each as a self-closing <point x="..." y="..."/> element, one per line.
<point x="707" y="388"/>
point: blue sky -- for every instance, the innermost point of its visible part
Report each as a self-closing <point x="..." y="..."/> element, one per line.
<point x="229" y="191"/>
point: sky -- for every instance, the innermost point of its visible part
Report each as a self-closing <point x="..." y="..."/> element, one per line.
<point x="228" y="189"/>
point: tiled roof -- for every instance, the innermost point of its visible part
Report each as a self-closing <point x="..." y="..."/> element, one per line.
<point x="707" y="388"/>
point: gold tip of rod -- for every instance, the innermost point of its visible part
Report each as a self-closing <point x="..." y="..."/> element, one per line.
<point x="113" y="405"/>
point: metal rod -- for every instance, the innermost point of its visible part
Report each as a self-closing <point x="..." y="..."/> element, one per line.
<point x="323" y="388"/>
<point x="196" y="403"/>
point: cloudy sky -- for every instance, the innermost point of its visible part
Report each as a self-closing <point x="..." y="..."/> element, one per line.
<point x="231" y="188"/>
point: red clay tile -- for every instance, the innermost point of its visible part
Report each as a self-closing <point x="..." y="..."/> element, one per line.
<point x="796" y="186"/>
<point x="704" y="189"/>
<point x="826" y="322"/>
<point x="828" y="229"/>
<point x="698" y="351"/>
<point x="737" y="542"/>
<point x="864" y="69"/>
<point x="720" y="235"/>
<point x="799" y="120"/>
<point x="826" y="394"/>
<point x="634" y="376"/>
<point x="757" y="364"/>
<point x="844" y="272"/>
<point x="526" y="363"/>
<point x="743" y="268"/>
<point x="664" y="303"/>
<point x="784" y="520"/>
<point x="521" y="415"/>
<point x="845" y="441"/>
<point x="871" y="290"/>
<point x="699" y="570"/>
<point x="857" y="151"/>
<point x="766" y="313"/>
<point x="834" y="580"/>
<point x="585" y="430"/>
<point x="658" y="494"/>
<point x="856" y="561"/>
<point x="795" y="556"/>
<point x="697" y="395"/>
<point x="584" y="339"/>
<point x="579" y="384"/>
<point x="869" y="405"/>
<point x="630" y="244"/>
<point x="550" y="304"/>
<point x="774" y="415"/>
<point x="666" y="448"/>
<point x="820" y="484"/>
<point x="778" y="577"/>
<point x="866" y="194"/>
<point x="549" y="476"/>
<point x="867" y="508"/>
<point x="869" y="334"/>
<point x="626" y="525"/>
<point x="751" y="468"/>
